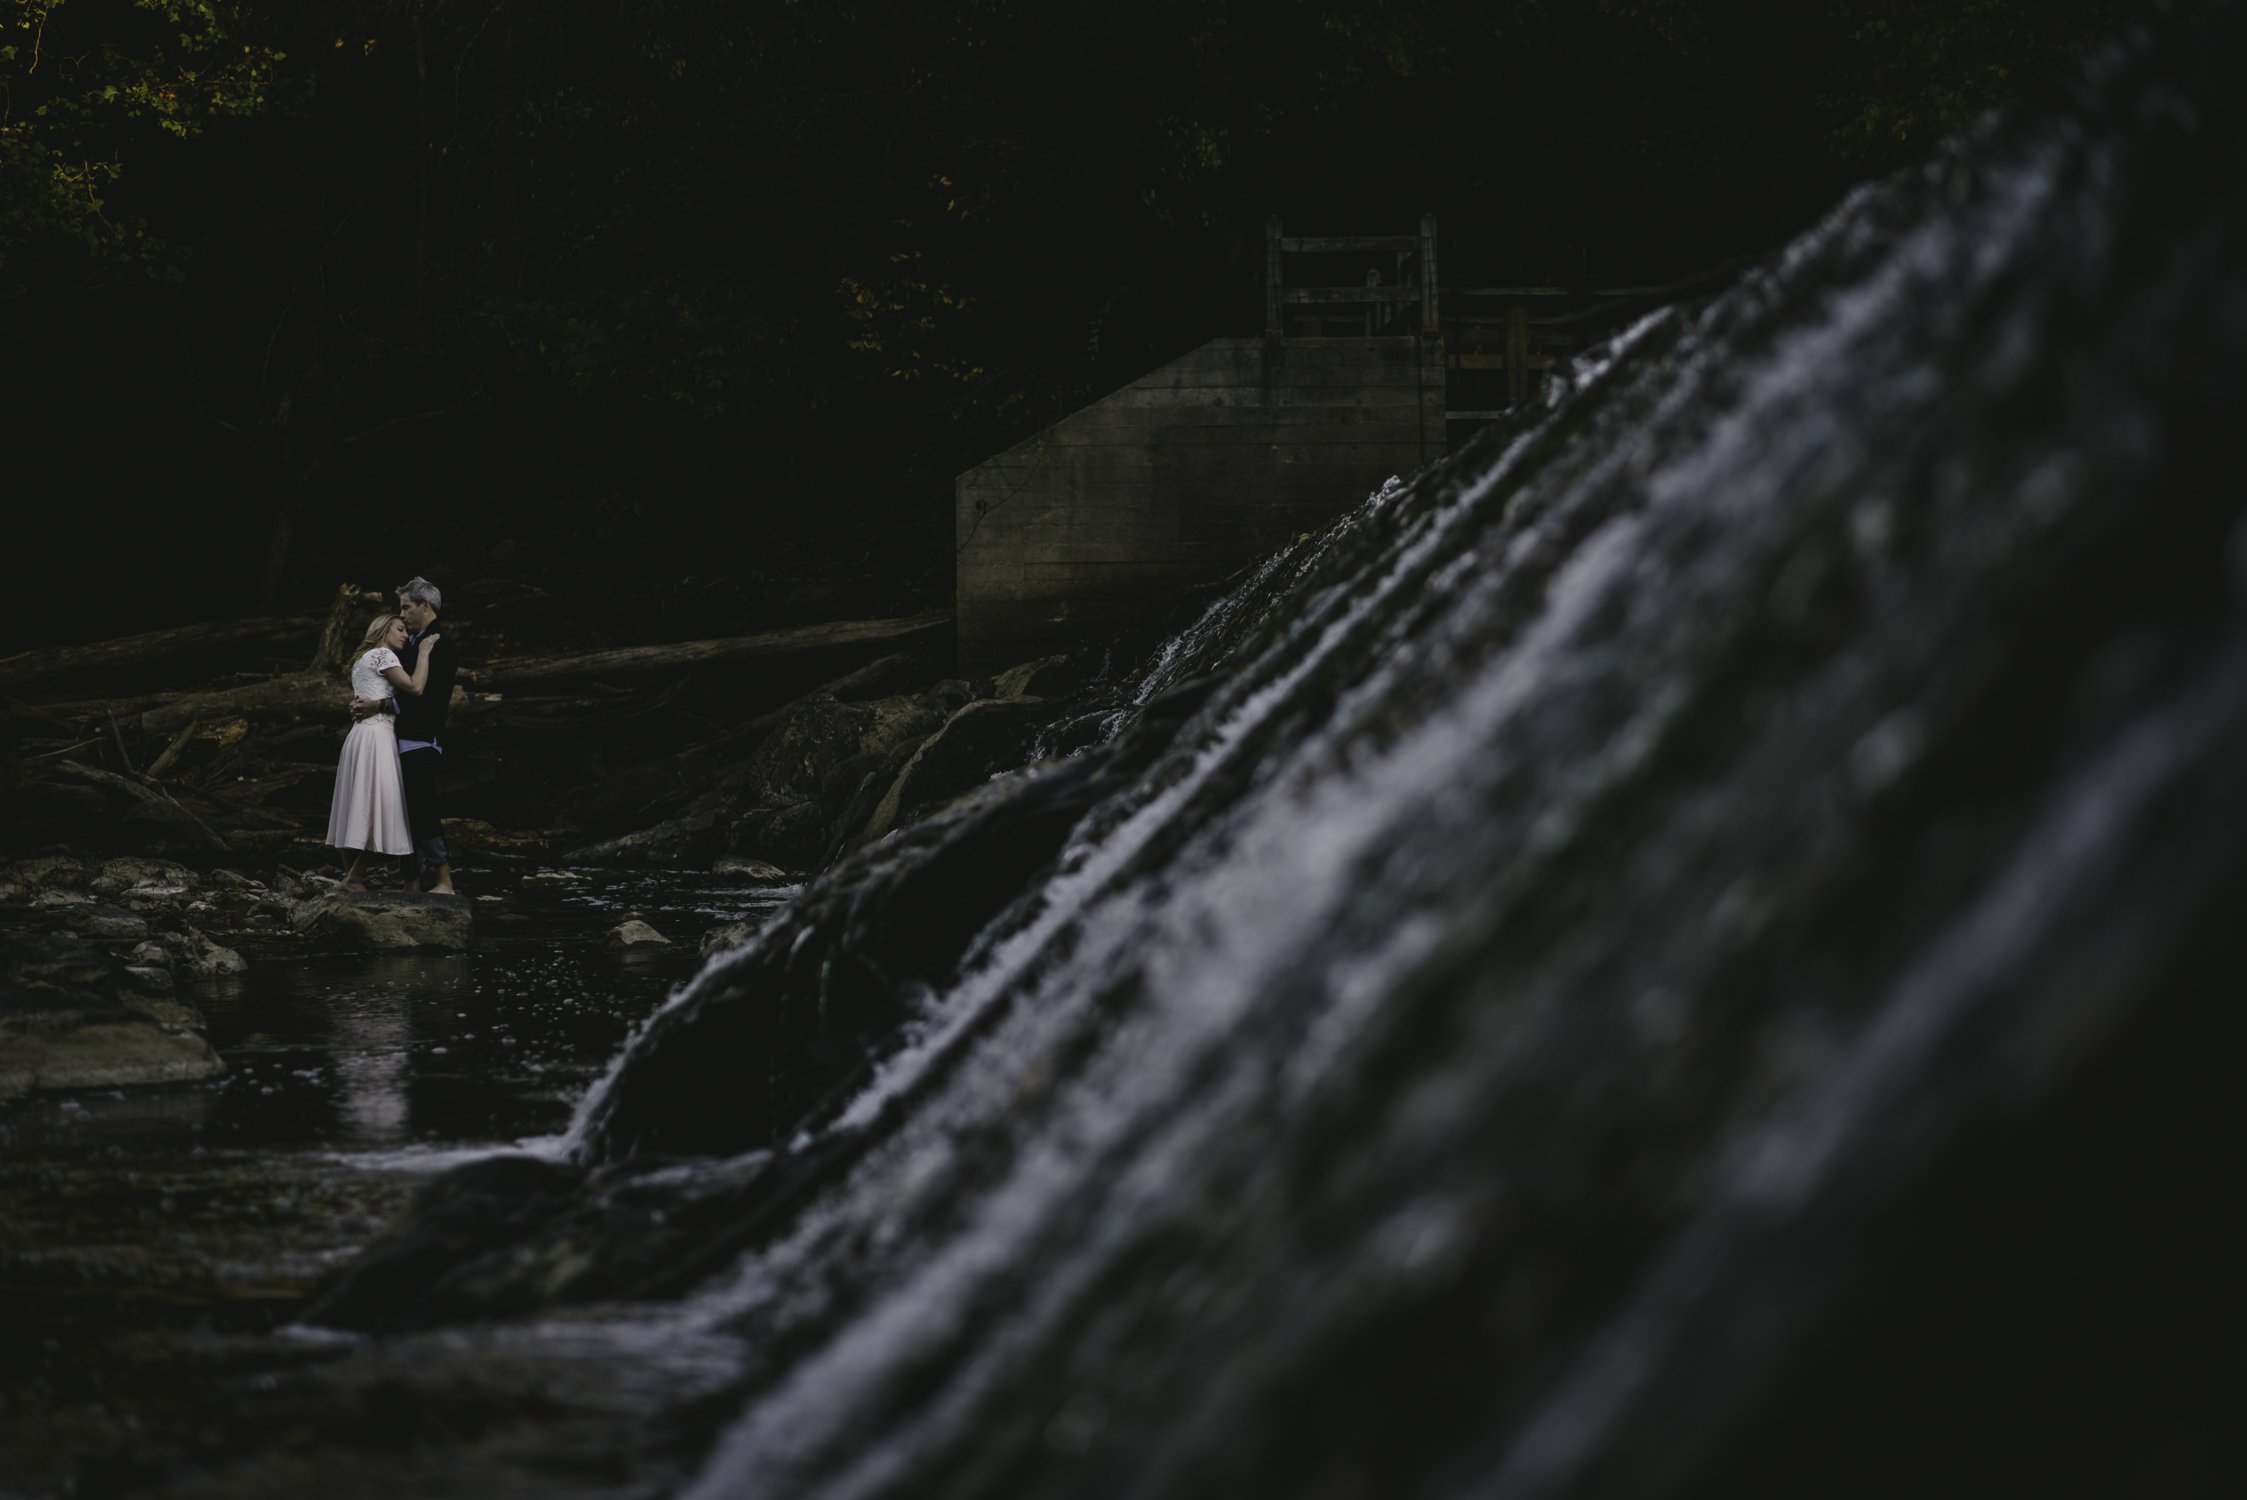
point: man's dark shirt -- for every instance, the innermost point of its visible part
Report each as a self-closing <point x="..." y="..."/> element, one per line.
<point x="423" y="718"/>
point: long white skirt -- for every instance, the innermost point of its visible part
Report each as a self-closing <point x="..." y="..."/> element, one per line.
<point x="369" y="810"/>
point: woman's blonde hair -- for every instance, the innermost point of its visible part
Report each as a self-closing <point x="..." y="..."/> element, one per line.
<point x="372" y="639"/>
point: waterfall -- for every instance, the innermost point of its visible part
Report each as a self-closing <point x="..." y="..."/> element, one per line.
<point x="1626" y="965"/>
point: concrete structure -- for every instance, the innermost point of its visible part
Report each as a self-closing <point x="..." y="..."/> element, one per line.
<point x="1180" y="477"/>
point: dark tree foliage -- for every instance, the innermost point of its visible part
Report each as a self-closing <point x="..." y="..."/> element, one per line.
<point x="692" y="308"/>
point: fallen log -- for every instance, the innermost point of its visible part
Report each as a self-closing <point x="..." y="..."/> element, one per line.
<point x="285" y="635"/>
<point x="521" y="674"/>
<point x="308" y="695"/>
<point x="166" y="809"/>
<point x="292" y="695"/>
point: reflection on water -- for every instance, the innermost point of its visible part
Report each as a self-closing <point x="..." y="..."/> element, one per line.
<point x="489" y="1046"/>
<point x="351" y="1079"/>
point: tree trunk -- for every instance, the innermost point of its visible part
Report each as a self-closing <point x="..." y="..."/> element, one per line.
<point x="527" y="673"/>
<point x="298" y="696"/>
<point x="285" y="635"/>
<point x="292" y="696"/>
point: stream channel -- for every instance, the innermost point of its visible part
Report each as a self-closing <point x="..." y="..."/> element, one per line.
<point x="147" y="1226"/>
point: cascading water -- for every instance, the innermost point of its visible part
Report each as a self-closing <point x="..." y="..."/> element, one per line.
<point x="1689" y="950"/>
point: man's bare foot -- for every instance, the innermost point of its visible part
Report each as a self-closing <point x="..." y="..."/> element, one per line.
<point x="443" y="890"/>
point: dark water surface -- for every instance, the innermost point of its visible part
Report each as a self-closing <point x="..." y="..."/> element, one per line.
<point x="131" y="1218"/>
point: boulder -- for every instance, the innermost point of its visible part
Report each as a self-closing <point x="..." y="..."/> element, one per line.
<point x="679" y="841"/>
<point x="385" y="919"/>
<point x="201" y="958"/>
<point x="108" y="923"/>
<point x="151" y="979"/>
<point x="72" y="1017"/>
<point x="49" y="872"/>
<point x="633" y="933"/>
<point x="794" y="833"/>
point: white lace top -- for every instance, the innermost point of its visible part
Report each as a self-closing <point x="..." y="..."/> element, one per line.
<point x="366" y="673"/>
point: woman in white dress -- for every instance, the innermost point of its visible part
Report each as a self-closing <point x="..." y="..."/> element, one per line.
<point x="368" y="814"/>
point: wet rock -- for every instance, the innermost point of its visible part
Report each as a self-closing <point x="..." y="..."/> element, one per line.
<point x="794" y="833"/>
<point x="726" y="936"/>
<point x="151" y="979"/>
<point x="984" y="737"/>
<point x="198" y="957"/>
<point x="824" y="991"/>
<point x="429" y="1268"/>
<point x="235" y="880"/>
<point x="748" y="868"/>
<point x="108" y="923"/>
<point x="71" y="1018"/>
<point x="50" y="871"/>
<point x="688" y="840"/>
<point x="633" y="933"/>
<point x="385" y="919"/>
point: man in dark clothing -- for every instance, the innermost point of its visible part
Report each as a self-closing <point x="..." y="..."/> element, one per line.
<point x="421" y="724"/>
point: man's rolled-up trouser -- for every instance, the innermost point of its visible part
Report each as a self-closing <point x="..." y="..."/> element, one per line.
<point x="418" y="770"/>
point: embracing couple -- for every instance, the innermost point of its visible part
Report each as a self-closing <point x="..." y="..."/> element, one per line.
<point x="386" y="782"/>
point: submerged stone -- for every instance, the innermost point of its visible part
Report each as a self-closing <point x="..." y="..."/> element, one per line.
<point x="73" y="1018"/>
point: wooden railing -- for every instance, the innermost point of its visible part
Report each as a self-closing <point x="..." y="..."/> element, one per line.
<point x="1485" y="328"/>
<point x="1414" y="266"/>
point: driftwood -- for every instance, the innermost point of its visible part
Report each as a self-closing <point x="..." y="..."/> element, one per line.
<point x="163" y="762"/>
<point x="285" y="634"/>
<point x="167" y="809"/>
<point x="521" y="674"/>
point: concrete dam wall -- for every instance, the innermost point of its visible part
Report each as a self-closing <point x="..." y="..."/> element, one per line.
<point x="1180" y="477"/>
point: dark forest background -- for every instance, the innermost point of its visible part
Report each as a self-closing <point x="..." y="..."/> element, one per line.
<point x="684" y="313"/>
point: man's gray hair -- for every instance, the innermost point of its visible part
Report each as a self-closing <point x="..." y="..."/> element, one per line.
<point x="421" y="591"/>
